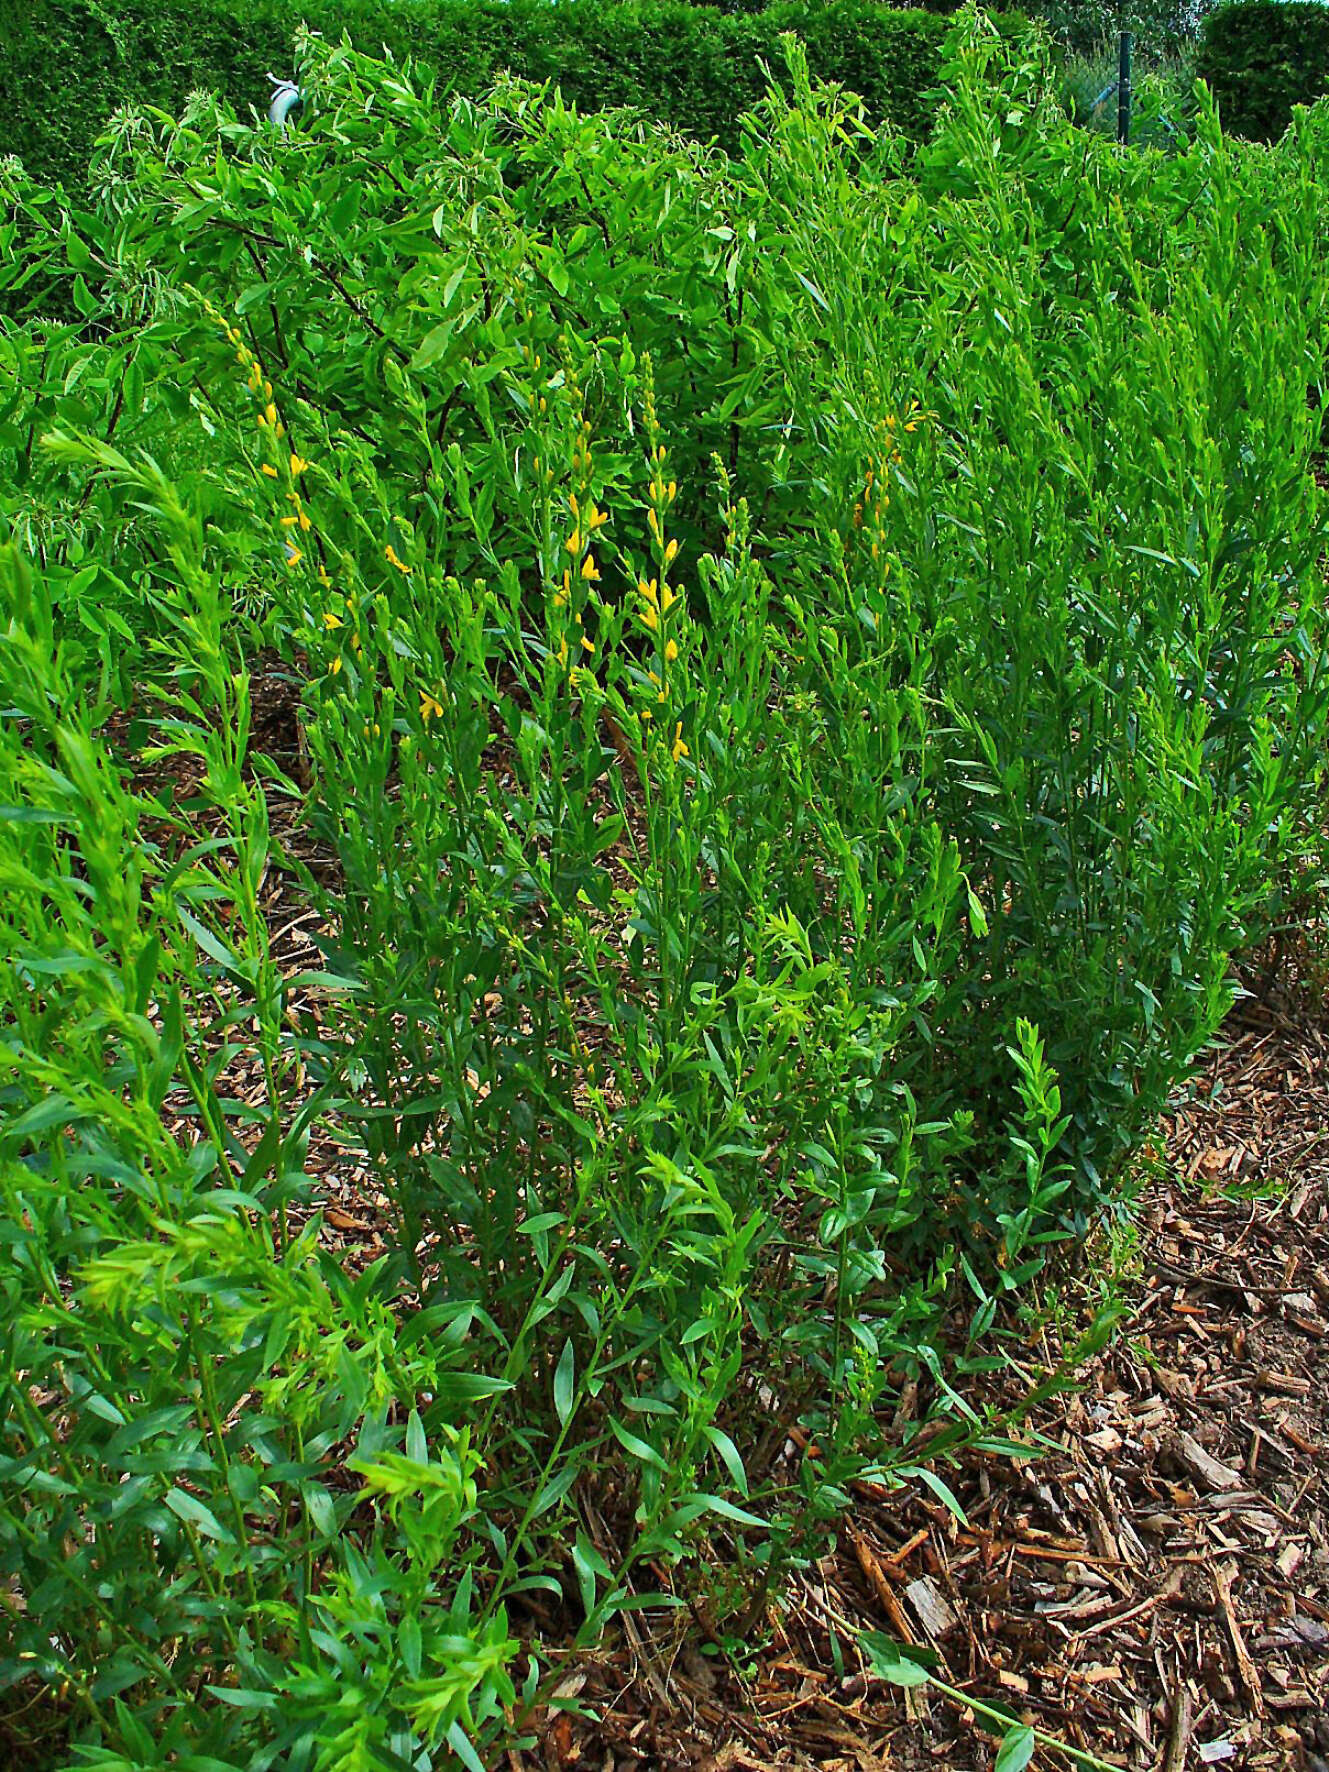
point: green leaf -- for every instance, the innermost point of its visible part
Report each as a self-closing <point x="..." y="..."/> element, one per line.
<point x="1017" y="1749"/>
<point x="890" y="1661"/>
<point x="564" y="1375"/>
<point x="194" y="1513"/>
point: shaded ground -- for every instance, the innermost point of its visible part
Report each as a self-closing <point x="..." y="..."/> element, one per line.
<point x="1156" y="1587"/>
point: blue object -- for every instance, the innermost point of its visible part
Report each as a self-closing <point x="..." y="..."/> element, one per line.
<point x="285" y="99"/>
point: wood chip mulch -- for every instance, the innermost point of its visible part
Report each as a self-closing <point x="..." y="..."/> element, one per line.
<point x="1154" y="1588"/>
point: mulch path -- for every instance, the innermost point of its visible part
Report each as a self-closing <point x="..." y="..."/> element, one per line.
<point x="1153" y="1589"/>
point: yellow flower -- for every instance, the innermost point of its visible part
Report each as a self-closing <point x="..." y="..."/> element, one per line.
<point x="334" y="667"/>
<point x="332" y="620"/>
<point x="562" y="653"/>
<point x="588" y="645"/>
<point x="288" y="522"/>
<point x="680" y="749"/>
<point x="393" y="559"/>
<point x="668" y="600"/>
<point x="595" y="519"/>
<point x="429" y="708"/>
<point x="270" y="411"/>
<point x="574" y="542"/>
<point x="671" y="553"/>
<point x="589" y="570"/>
<point x="269" y="470"/>
<point x="294" y="556"/>
<point x="298" y="465"/>
<point x="649" y="590"/>
<point x="572" y="499"/>
<point x="560" y="598"/>
<point x="645" y="714"/>
<point x="650" y="618"/>
<point x="671" y="650"/>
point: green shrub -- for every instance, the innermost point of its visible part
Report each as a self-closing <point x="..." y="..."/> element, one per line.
<point x="1262" y="57"/>
<point x="66" y="65"/>
<point x="805" y="674"/>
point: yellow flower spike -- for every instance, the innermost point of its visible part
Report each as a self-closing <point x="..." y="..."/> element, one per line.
<point x="334" y="667"/>
<point x="589" y="570"/>
<point x="430" y="709"/>
<point x="654" y="679"/>
<point x="671" y="553"/>
<point x="588" y="645"/>
<point x="661" y="696"/>
<point x="596" y="519"/>
<point x="267" y="390"/>
<point x="270" y="411"/>
<point x="572" y="504"/>
<point x="304" y="521"/>
<point x="261" y="421"/>
<point x="649" y="589"/>
<point x="392" y="557"/>
<point x="671" y="650"/>
<point x="279" y="430"/>
<point x="269" y="470"/>
<point x="294" y="557"/>
<point x="288" y="522"/>
<point x="668" y="600"/>
<point x="332" y="620"/>
<point x="298" y="464"/>
<point x="544" y="404"/>
<point x="650" y="618"/>
<point x="671" y="491"/>
<point x="680" y="749"/>
<point x="653" y="523"/>
<point x="573" y="543"/>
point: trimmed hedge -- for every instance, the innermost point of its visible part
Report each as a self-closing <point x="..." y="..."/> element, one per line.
<point x="1262" y="57"/>
<point x="65" y="65"/>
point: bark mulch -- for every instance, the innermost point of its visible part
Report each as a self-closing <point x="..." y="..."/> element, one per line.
<point x="1155" y="1587"/>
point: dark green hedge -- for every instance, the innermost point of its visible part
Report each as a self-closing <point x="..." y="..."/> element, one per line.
<point x="66" y="64"/>
<point x="1261" y="57"/>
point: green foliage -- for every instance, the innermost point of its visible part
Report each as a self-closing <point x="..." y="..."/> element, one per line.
<point x="67" y="65"/>
<point x="1263" y="57"/>
<point x="808" y="664"/>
